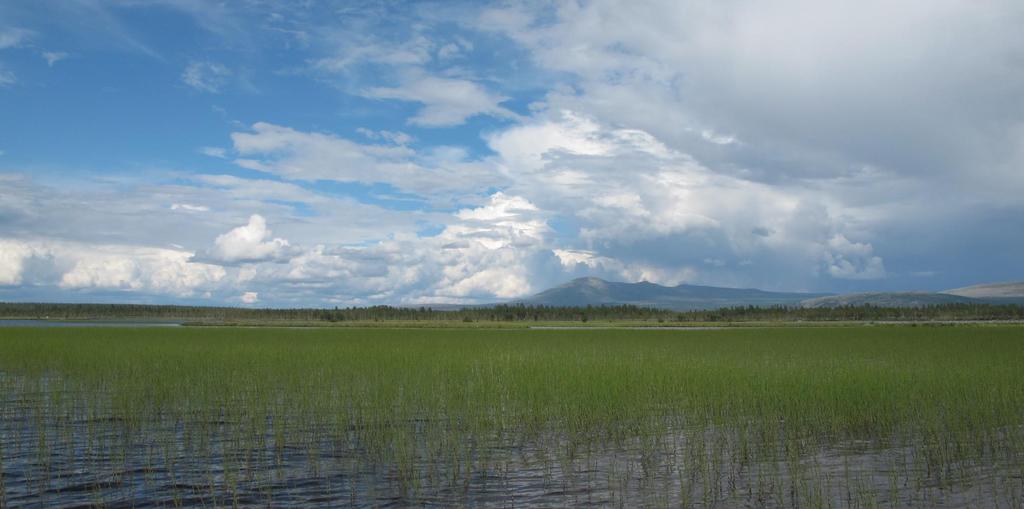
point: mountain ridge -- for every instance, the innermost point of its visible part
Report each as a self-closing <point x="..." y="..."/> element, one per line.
<point x="593" y="291"/>
<point x="596" y="292"/>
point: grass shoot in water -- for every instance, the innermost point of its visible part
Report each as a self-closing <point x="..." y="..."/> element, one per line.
<point x="442" y="416"/>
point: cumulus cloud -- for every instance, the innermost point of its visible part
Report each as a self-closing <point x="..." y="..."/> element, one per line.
<point x="89" y="266"/>
<point x="250" y="243"/>
<point x="153" y="270"/>
<point x="577" y="262"/>
<point x="852" y="260"/>
<point x="249" y="297"/>
<point x="499" y="208"/>
<point x="487" y="252"/>
<point x="206" y="76"/>
<point x="12" y="261"/>
<point x="646" y="211"/>
<point x="490" y="254"/>
<point x="727" y="143"/>
<point x="814" y="95"/>
<point x="621" y="183"/>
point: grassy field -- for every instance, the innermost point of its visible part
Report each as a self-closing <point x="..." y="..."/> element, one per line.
<point x="832" y="417"/>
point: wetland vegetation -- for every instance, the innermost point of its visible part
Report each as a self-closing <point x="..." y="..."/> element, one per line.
<point x="503" y="314"/>
<point x="887" y="416"/>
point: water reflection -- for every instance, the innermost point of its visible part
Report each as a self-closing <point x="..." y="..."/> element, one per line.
<point x="78" y="457"/>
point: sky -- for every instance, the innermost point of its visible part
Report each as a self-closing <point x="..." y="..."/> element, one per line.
<point x="258" y="153"/>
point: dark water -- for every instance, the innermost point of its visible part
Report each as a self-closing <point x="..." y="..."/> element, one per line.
<point x="59" y="323"/>
<point x="62" y="448"/>
<point x="103" y="462"/>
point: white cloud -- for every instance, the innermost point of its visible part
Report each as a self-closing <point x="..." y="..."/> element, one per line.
<point x="218" y="152"/>
<point x="356" y="49"/>
<point x="718" y="139"/>
<point x="83" y="207"/>
<point x="90" y="266"/>
<point x="813" y="89"/>
<point x="158" y="271"/>
<point x="104" y="272"/>
<point x="308" y="156"/>
<point x="501" y="207"/>
<point x="312" y="156"/>
<point x="502" y="222"/>
<point x="716" y="262"/>
<point x="13" y="256"/>
<point x="396" y="137"/>
<point x="190" y="208"/>
<point x="449" y="50"/>
<point x="206" y="76"/>
<point x="250" y="243"/>
<point x="52" y="57"/>
<point x="727" y="143"/>
<point x="405" y="64"/>
<point x="852" y="260"/>
<point x="446" y="101"/>
<point x="455" y="49"/>
<point x="490" y="253"/>
<point x="531" y="145"/>
<point x="12" y="37"/>
<point x="582" y="262"/>
<point x="570" y="258"/>
<point x="486" y="253"/>
<point x="250" y="297"/>
<point x="645" y="211"/>
<point x="623" y="183"/>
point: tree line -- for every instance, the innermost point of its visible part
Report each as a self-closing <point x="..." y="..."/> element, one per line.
<point x="506" y="313"/>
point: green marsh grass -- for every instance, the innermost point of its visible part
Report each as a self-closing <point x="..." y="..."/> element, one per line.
<point x="820" y="417"/>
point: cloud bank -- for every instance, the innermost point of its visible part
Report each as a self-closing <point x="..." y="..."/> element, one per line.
<point x="467" y="153"/>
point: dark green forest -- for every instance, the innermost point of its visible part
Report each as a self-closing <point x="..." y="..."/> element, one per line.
<point x="503" y="313"/>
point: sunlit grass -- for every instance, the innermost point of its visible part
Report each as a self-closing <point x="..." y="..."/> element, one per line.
<point x="686" y="411"/>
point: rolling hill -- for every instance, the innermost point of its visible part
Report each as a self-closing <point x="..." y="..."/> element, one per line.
<point x="886" y="299"/>
<point x="995" y="293"/>
<point x="1013" y="291"/>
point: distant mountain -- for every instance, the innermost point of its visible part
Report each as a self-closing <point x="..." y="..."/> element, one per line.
<point x="992" y="290"/>
<point x="995" y="293"/>
<point x="886" y="299"/>
<point x="596" y="292"/>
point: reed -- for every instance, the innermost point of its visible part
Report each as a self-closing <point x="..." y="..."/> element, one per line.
<point x="851" y="416"/>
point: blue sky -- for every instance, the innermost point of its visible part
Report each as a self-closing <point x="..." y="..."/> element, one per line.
<point x="338" y="153"/>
